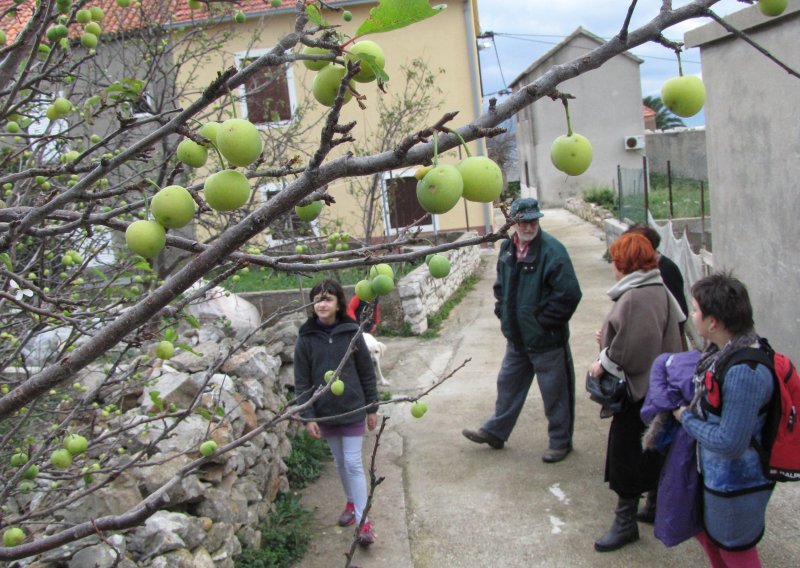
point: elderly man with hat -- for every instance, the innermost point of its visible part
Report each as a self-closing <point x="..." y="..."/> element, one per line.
<point x="536" y="293"/>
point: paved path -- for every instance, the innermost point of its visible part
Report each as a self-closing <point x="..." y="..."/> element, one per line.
<point x="446" y="502"/>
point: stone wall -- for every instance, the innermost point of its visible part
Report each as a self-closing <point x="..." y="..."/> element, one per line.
<point x="588" y="211"/>
<point x="422" y="295"/>
<point x="222" y="503"/>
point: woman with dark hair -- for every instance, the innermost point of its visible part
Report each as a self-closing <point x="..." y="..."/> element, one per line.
<point x="322" y="344"/>
<point x="727" y="417"/>
<point x="642" y="324"/>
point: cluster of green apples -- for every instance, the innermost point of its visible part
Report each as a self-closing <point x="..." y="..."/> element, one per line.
<point x="301" y="248"/>
<point x="60" y="108"/>
<point x="74" y="445"/>
<point x="339" y="241"/>
<point x="475" y="178"/>
<point x="379" y="283"/>
<point x="239" y="142"/>
<point x="16" y="123"/>
<point x="330" y="74"/>
<point x="337" y="386"/>
<point x="438" y="265"/>
<point x="90" y="18"/>
<point x="20" y="459"/>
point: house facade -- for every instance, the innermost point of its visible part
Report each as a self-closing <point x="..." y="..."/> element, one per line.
<point x="607" y="109"/>
<point x="753" y="146"/>
<point x="444" y="45"/>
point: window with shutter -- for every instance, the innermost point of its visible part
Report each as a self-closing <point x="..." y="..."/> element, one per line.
<point x="400" y="206"/>
<point x="267" y="97"/>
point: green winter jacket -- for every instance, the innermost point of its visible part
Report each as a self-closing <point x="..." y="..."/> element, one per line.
<point x="536" y="297"/>
<point x="316" y="352"/>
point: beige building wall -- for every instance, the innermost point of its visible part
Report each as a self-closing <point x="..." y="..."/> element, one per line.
<point x="445" y="41"/>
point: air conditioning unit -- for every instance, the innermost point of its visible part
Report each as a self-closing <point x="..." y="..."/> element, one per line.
<point x="634" y="142"/>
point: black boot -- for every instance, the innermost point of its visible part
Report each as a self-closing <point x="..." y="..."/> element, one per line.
<point x="624" y="529"/>
<point x="647" y="512"/>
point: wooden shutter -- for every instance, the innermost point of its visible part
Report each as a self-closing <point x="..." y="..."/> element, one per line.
<point x="404" y="208"/>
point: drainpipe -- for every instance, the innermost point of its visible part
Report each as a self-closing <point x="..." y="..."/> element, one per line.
<point x="476" y="101"/>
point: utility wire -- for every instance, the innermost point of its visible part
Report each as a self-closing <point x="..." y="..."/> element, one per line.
<point x="527" y="37"/>
<point x="500" y="67"/>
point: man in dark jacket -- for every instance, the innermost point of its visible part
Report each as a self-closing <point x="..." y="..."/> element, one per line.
<point x="536" y="293"/>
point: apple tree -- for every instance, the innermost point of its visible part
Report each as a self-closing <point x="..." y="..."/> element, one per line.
<point x="122" y="192"/>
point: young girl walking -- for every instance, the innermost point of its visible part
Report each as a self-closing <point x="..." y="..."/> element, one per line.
<point x="321" y="346"/>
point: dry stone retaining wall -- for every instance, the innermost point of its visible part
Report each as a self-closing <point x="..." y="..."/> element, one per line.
<point x="588" y="211"/>
<point x="219" y="506"/>
<point x="422" y="295"/>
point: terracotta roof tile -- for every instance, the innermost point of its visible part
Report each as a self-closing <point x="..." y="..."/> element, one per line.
<point x="117" y="19"/>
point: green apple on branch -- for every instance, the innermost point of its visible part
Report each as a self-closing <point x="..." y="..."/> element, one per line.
<point x="440" y="189"/>
<point x="684" y="95"/>
<point x="226" y="190"/>
<point x="571" y="153"/>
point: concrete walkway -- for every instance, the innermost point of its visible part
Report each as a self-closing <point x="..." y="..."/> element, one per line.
<point x="446" y="502"/>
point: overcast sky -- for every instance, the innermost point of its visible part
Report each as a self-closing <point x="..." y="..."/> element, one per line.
<point x="526" y="29"/>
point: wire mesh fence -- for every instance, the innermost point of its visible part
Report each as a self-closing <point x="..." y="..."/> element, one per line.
<point x="663" y="195"/>
<point x="632" y="194"/>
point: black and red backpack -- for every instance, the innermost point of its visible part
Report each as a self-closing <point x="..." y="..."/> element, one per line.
<point x="780" y="439"/>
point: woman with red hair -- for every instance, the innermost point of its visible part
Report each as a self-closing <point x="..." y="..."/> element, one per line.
<point x="642" y="324"/>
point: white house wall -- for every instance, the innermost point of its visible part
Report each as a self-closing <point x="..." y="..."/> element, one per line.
<point x="753" y="137"/>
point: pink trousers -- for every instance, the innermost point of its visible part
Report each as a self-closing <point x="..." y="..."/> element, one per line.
<point x="721" y="558"/>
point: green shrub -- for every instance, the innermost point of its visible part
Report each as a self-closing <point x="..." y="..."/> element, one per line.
<point x="284" y="537"/>
<point x="685" y="197"/>
<point x="306" y="459"/>
<point x="602" y="196"/>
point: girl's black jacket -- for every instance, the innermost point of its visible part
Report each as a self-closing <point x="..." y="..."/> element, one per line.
<point x="318" y="351"/>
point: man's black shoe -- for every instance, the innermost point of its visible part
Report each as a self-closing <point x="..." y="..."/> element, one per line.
<point x="555" y="455"/>
<point x="483" y="437"/>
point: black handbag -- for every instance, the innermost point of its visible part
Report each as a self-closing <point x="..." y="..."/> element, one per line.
<point x="609" y="391"/>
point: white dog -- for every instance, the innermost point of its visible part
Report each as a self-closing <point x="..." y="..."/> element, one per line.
<point x="376" y="351"/>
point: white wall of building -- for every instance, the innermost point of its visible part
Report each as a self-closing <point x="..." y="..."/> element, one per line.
<point x="753" y="139"/>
